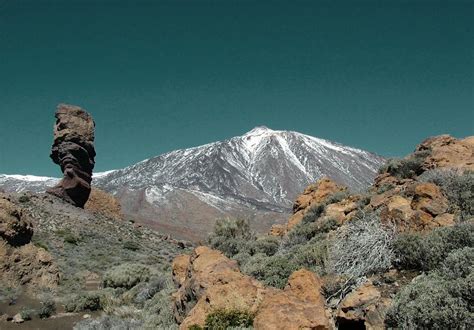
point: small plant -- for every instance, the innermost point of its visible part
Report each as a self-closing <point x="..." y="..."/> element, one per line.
<point x="90" y="301"/>
<point x="457" y="186"/>
<point x="267" y="245"/>
<point x="273" y="271"/>
<point x="126" y="276"/>
<point x="406" y="168"/>
<point x="42" y="245"/>
<point x="68" y="236"/>
<point x="24" y="199"/>
<point x="313" y="213"/>
<point x="231" y="236"/>
<point x="131" y="245"/>
<point x="48" y="307"/>
<point x="336" y="197"/>
<point x="222" y="319"/>
<point x="26" y="314"/>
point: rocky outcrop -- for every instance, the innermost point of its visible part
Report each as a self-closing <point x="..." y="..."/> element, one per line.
<point x="73" y="149"/>
<point x="448" y="152"/>
<point x="15" y="227"/>
<point x="417" y="206"/>
<point x="104" y="203"/>
<point x="22" y="263"/>
<point x="314" y="194"/>
<point x="213" y="282"/>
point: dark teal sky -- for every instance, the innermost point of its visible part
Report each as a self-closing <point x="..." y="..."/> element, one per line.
<point x="157" y="76"/>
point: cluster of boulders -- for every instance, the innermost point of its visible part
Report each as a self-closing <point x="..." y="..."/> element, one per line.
<point x="210" y="281"/>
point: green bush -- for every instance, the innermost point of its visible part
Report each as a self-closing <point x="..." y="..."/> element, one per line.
<point x="313" y="255"/>
<point x="48" y="307"/>
<point x="24" y="199"/>
<point x="131" y="245"/>
<point x="304" y="232"/>
<point x="158" y="311"/>
<point x="90" y="301"/>
<point x="267" y="245"/>
<point x="231" y="236"/>
<point x="457" y="186"/>
<point x="406" y="168"/>
<point x="68" y="236"/>
<point x="273" y="271"/>
<point x="336" y="197"/>
<point x="441" y="299"/>
<point x="26" y="314"/>
<point x="313" y="213"/>
<point x="126" y="276"/>
<point x="223" y="319"/>
<point x="427" y="251"/>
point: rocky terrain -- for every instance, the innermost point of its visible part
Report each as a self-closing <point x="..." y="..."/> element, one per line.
<point x="397" y="255"/>
<point x="256" y="176"/>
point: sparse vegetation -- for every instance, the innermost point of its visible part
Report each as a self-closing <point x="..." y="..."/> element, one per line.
<point x="457" y="186"/>
<point x="88" y="301"/>
<point x="48" y="307"/>
<point x="126" y="276"/>
<point x="441" y="299"/>
<point x="273" y="271"/>
<point x="406" y="168"/>
<point x="223" y="319"/>
<point x="231" y="236"/>
<point x="426" y="251"/>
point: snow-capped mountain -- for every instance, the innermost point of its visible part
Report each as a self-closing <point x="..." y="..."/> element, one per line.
<point x="20" y="183"/>
<point x="259" y="174"/>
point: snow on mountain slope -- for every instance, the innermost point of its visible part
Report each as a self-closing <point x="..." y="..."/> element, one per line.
<point x="263" y="169"/>
<point x="256" y="175"/>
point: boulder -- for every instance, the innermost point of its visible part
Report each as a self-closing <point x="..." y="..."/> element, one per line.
<point x="73" y="149"/>
<point x="15" y="227"/>
<point x="363" y="308"/>
<point x="214" y="282"/>
<point x="299" y="306"/>
<point x="428" y="198"/>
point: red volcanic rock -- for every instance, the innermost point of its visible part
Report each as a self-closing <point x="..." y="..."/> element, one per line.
<point x="73" y="149"/>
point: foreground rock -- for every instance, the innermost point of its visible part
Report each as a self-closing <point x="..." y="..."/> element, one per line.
<point x="363" y="308"/>
<point x="299" y="306"/>
<point x="22" y="263"/>
<point x="15" y="228"/>
<point x="214" y="282"/>
<point x="73" y="149"/>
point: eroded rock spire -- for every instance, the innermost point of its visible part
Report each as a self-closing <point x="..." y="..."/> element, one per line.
<point x="73" y="150"/>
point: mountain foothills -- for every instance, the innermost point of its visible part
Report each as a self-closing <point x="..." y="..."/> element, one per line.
<point x="257" y="176"/>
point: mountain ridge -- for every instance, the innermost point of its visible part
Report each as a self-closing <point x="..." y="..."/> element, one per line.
<point x="258" y="173"/>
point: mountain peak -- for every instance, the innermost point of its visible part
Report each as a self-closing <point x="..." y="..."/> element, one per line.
<point x="258" y="130"/>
